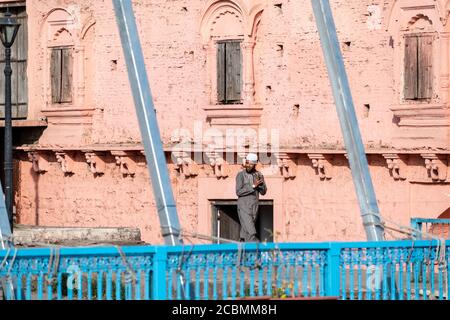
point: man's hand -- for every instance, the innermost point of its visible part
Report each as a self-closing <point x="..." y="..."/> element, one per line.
<point x="258" y="183"/>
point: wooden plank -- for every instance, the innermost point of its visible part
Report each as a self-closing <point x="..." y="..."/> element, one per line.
<point x="233" y="71"/>
<point x="19" y="13"/>
<point x="22" y="39"/>
<point x="410" y="77"/>
<point x="22" y="56"/>
<point x="2" y="90"/>
<point x="15" y="46"/>
<point x="14" y="82"/>
<point x="55" y="75"/>
<point x="67" y="75"/>
<point x="425" y="64"/>
<point x="221" y="72"/>
<point x="22" y="90"/>
<point x="2" y="53"/>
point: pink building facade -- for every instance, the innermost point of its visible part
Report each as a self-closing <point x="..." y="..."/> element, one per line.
<point x="229" y="77"/>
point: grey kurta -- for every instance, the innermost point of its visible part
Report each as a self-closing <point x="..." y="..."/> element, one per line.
<point x="248" y="202"/>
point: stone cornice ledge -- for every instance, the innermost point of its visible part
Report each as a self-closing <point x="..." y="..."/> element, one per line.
<point x="136" y="147"/>
<point x="69" y="115"/>
<point x="234" y="114"/>
<point x="426" y="115"/>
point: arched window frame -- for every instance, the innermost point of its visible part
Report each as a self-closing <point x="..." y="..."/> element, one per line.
<point x="401" y="17"/>
<point x="59" y="34"/>
<point x="248" y="18"/>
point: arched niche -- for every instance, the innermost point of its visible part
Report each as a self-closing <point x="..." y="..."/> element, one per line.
<point x="420" y="23"/>
<point x="223" y="19"/>
<point x="62" y="37"/>
<point x="227" y="24"/>
<point x="59" y="27"/>
<point x="400" y="13"/>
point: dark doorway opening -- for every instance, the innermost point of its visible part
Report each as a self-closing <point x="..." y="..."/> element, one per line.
<point x="225" y="221"/>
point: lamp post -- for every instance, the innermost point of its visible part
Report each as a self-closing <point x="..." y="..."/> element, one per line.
<point x="8" y="32"/>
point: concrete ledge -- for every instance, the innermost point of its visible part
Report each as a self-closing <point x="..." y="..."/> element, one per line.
<point x="31" y="236"/>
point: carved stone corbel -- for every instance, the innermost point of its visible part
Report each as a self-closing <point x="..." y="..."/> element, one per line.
<point x="436" y="166"/>
<point x="95" y="161"/>
<point x="40" y="164"/>
<point x="218" y="165"/>
<point x="397" y="166"/>
<point x="323" y="166"/>
<point x="286" y="165"/>
<point x="125" y="162"/>
<point x="141" y="159"/>
<point x="184" y="164"/>
<point x="66" y="162"/>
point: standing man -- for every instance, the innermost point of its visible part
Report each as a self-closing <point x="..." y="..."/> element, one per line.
<point x="249" y="184"/>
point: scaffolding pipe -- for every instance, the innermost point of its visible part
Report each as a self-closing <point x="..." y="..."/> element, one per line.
<point x="349" y="124"/>
<point x="146" y="114"/>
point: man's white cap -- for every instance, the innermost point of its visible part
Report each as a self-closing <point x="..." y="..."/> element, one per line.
<point x="252" y="157"/>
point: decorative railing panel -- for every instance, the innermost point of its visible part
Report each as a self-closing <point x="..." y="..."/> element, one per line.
<point x="439" y="228"/>
<point x="401" y="270"/>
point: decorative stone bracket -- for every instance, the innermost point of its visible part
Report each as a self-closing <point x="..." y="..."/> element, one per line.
<point x="286" y="165"/>
<point x="40" y="164"/>
<point x="125" y="162"/>
<point x="142" y="160"/>
<point x="218" y="165"/>
<point x="96" y="163"/>
<point x="436" y="166"/>
<point x="397" y="166"/>
<point x="323" y="166"/>
<point x="66" y="162"/>
<point x="185" y="165"/>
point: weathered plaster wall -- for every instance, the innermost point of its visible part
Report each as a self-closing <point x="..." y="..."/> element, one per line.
<point x="306" y="208"/>
<point x="318" y="210"/>
<point x="174" y="52"/>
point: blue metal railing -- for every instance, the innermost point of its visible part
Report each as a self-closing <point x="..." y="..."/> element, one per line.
<point x="404" y="270"/>
<point x="436" y="227"/>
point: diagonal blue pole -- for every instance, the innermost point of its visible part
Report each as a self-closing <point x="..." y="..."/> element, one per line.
<point x="151" y="137"/>
<point x="349" y="124"/>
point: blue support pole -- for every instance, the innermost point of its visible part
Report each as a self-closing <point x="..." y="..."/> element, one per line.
<point x="348" y="121"/>
<point x="151" y="137"/>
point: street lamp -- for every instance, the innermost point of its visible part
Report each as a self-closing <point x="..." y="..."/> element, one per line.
<point x="8" y="32"/>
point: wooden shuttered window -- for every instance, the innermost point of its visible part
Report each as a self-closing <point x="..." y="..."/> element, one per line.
<point x="61" y="70"/>
<point x="418" y="67"/>
<point x="19" y="57"/>
<point x="229" y="72"/>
